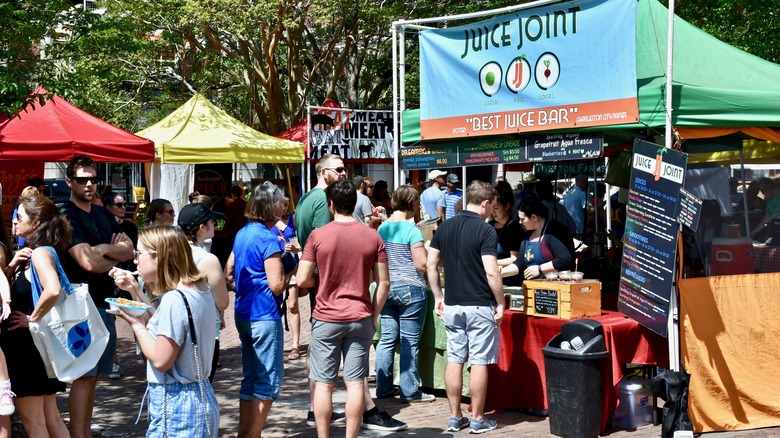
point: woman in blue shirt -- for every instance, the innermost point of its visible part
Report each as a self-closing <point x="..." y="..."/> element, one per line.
<point x="259" y="276"/>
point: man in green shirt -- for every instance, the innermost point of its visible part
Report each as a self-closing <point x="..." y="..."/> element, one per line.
<point x="312" y="210"/>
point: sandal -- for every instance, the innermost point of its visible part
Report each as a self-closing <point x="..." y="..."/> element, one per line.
<point x="294" y="354"/>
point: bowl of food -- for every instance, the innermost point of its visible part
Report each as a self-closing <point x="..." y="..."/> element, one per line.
<point x="577" y="276"/>
<point x="132" y="308"/>
<point x="552" y="276"/>
<point x="564" y="275"/>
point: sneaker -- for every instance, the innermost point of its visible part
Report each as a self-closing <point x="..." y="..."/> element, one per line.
<point x="116" y="372"/>
<point x="421" y="398"/>
<point x="7" y="401"/>
<point x="394" y="393"/>
<point x="335" y="417"/>
<point x="375" y="419"/>
<point x="482" y="426"/>
<point x="455" y="424"/>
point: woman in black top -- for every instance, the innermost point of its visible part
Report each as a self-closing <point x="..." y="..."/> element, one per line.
<point x="508" y="232"/>
<point x="548" y="245"/>
<point x="39" y="222"/>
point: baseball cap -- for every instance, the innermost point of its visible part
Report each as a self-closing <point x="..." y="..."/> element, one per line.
<point x="435" y="174"/>
<point x="196" y="214"/>
<point x="452" y="178"/>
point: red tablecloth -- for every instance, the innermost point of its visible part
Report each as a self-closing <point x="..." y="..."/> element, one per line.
<point x="518" y="381"/>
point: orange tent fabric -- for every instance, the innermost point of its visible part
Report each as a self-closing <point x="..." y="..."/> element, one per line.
<point x="57" y="131"/>
<point x="762" y="133"/>
<point x="730" y="331"/>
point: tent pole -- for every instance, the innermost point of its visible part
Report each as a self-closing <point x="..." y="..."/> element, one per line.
<point x="744" y="192"/>
<point x="674" y="310"/>
<point x="607" y="206"/>
<point x="396" y="106"/>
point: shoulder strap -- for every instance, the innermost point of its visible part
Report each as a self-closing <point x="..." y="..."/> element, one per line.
<point x="189" y="315"/>
<point x="35" y="281"/>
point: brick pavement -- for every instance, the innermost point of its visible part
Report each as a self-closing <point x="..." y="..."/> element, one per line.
<point x="118" y="401"/>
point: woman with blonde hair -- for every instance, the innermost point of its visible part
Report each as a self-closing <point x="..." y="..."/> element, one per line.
<point x="178" y="340"/>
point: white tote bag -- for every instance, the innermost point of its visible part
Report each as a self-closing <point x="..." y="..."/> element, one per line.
<point x="72" y="337"/>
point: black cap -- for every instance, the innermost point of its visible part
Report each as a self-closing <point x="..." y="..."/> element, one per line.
<point x="196" y="214"/>
<point x="452" y="178"/>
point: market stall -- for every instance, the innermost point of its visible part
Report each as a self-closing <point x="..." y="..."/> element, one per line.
<point x="705" y="104"/>
<point x="198" y="132"/>
<point x="58" y="131"/>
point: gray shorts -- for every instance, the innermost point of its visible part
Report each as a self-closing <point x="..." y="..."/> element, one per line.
<point x="332" y="340"/>
<point x="472" y="334"/>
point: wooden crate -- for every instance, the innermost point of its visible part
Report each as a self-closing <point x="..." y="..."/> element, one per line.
<point x="515" y="298"/>
<point x="562" y="299"/>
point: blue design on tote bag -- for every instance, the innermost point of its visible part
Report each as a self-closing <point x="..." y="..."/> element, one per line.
<point x="79" y="338"/>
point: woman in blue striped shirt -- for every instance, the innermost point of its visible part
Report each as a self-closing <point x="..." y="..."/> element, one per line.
<point x="404" y="312"/>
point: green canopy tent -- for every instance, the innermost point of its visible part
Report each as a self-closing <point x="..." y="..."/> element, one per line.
<point x="715" y="85"/>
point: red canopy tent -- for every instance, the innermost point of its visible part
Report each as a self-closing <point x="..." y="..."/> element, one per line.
<point x="300" y="131"/>
<point x="57" y="131"/>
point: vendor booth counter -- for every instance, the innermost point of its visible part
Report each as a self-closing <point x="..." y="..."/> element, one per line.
<point x="518" y="381"/>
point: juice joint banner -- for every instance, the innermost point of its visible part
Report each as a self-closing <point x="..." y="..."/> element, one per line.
<point x="365" y="135"/>
<point x="650" y="239"/>
<point x="561" y="66"/>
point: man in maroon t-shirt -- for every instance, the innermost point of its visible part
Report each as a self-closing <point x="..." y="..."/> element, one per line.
<point x="346" y="254"/>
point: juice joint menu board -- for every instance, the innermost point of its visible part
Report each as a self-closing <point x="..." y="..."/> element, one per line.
<point x="650" y="239"/>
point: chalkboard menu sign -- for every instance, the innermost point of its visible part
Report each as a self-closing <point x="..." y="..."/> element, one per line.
<point x="572" y="146"/>
<point x="426" y="157"/>
<point x="688" y="210"/>
<point x="546" y="301"/>
<point x="650" y="239"/>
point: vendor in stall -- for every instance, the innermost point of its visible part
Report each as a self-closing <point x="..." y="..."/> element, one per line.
<point x="509" y="233"/>
<point x="548" y="246"/>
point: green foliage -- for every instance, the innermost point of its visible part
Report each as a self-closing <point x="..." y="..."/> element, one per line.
<point x="753" y="26"/>
<point x="262" y="61"/>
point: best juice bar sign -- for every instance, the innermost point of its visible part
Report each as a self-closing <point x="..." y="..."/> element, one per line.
<point x="561" y="66"/>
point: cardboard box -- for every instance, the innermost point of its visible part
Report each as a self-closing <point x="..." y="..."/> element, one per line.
<point x="515" y="296"/>
<point x="562" y="299"/>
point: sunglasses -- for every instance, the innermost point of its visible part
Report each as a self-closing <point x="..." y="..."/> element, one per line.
<point x="170" y="212"/>
<point x="83" y="180"/>
<point x="337" y="169"/>
<point x="119" y="204"/>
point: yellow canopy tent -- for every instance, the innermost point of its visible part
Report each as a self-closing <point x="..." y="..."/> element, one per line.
<point x="755" y="152"/>
<point x="198" y="132"/>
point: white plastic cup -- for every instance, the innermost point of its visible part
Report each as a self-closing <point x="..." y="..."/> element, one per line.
<point x="565" y="345"/>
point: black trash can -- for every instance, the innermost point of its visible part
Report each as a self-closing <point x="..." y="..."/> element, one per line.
<point x="575" y="378"/>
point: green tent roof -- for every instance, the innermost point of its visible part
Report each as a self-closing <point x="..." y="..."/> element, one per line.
<point x="715" y="84"/>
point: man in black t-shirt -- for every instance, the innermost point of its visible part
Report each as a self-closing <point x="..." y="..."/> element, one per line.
<point x="97" y="245"/>
<point x="473" y="308"/>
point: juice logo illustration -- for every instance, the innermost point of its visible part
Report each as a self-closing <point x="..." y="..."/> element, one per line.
<point x="659" y="159"/>
<point x="518" y="74"/>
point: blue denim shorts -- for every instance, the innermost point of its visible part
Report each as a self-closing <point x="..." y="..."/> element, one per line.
<point x="262" y="356"/>
<point x="185" y="414"/>
<point x="472" y="334"/>
<point x="106" y="362"/>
